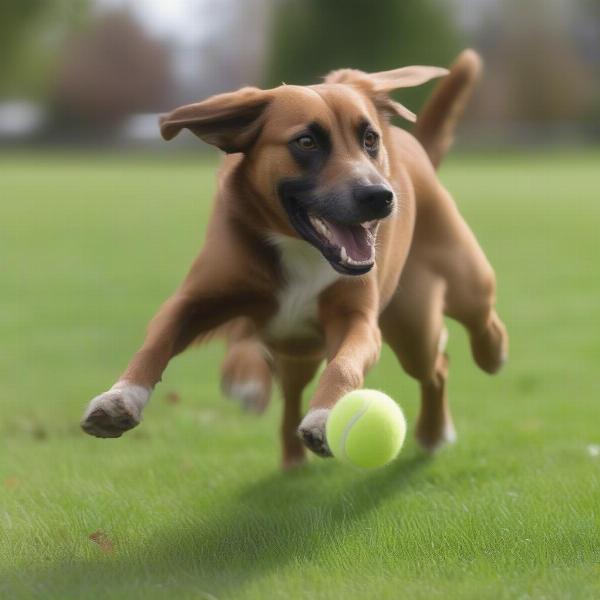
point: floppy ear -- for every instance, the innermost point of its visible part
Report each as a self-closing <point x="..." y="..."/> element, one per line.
<point x="379" y="85"/>
<point x="229" y="121"/>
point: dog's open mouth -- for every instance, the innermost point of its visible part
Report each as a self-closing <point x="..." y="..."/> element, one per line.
<point x="350" y="249"/>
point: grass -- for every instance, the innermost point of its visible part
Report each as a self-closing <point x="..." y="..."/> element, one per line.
<point x="192" y="504"/>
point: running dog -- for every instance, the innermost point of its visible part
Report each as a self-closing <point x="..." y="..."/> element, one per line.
<point x="330" y="233"/>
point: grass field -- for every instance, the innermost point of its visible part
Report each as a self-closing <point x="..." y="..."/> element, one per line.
<point x="192" y="504"/>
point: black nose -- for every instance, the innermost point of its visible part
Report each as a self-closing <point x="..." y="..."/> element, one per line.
<point x="376" y="200"/>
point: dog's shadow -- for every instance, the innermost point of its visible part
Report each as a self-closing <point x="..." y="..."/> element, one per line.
<point x="285" y="517"/>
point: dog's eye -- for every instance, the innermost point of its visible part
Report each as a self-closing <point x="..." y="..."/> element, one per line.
<point x="371" y="141"/>
<point x="306" y="142"/>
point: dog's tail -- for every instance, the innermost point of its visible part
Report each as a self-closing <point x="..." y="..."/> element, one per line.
<point x="438" y="118"/>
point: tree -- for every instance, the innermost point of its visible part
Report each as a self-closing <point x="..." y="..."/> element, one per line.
<point x="536" y="66"/>
<point x="312" y="37"/>
<point x="15" y="17"/>
<point x="110" y="70"/>
<point x="30" y="31"/>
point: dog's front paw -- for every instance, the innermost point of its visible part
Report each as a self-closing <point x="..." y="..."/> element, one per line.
<point x="312" y="432"/>
<point x="110" y="414"/>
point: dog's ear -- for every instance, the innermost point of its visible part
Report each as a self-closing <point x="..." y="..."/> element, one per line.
<point x="379" y="85"/>
<point x="229" y="121"/>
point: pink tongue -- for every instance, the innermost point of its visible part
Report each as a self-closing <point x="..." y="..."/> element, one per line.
<point x="353" y="238"/>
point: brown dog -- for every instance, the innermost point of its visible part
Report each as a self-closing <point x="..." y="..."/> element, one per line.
<point x="330" y="228"/>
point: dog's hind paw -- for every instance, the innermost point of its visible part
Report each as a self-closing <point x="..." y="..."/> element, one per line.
<point x="253" y="395"/>
<point x="246" y="376"/>
<point x="312" y="432"/>
<point x="432" y="439"/>
<point x="110" y="414"/>
<point x="490" y="346"/>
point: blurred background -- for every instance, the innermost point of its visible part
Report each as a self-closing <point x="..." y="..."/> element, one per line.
<point x="95" y="72"/>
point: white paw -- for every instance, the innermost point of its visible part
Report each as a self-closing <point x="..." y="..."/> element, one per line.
<point x="253" y="395"/>
<point x="110" y="414"/>
<point x="312" y="431"/>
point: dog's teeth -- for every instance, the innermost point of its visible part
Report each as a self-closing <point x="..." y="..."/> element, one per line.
<point x="320" y="226"/>
<point x="351" y="261"/>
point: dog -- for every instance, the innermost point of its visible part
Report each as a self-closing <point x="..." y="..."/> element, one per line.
<point x="330" y="233"/>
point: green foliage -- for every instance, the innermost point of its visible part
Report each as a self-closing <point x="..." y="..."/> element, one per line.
<point x="15" y="16"/>
<point x="312" y="37"/>
<point x="31" y="37"/>
<point x="193" y="500"/>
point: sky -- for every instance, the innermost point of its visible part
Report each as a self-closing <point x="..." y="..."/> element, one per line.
<point x="191" y="21"/>
<point x="185" y="25"/>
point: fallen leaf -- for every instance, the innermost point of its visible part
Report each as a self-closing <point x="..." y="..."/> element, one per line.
<point x="102" y="540"/>
<point x="172" y="398"/>
<point x="11" y="483"/>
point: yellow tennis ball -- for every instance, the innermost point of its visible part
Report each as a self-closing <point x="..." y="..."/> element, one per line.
<point x="366" y="428"/>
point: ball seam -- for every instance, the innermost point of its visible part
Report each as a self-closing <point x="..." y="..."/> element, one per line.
<point x="349" y="426"/>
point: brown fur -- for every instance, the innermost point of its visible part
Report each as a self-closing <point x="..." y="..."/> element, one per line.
<point x="439" y="117"/>
<point x="428" y="262"/>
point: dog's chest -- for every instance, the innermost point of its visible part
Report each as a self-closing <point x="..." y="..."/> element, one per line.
<point x="306" y="275"/>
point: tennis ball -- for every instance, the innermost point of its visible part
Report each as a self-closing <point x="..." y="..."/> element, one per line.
<point x="366" y="428"/>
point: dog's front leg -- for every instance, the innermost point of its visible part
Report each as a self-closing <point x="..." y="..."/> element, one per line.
<point x="353" y="346"/>
<point x="206" y="300"/>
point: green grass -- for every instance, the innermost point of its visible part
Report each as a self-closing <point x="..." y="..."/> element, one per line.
<point x="193" y="501"/>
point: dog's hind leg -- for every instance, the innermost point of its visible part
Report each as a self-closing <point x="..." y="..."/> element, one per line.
<point x="470" y="284"/>
<point x="246" y="371"/>
<point x="470" y="300"/>
<point x="413" y="326"/>
<point x="294" y="374"/>
<point x="444" y="245"/>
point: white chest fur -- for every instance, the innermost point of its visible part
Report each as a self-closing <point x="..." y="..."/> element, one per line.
<point x="307" y="274"/>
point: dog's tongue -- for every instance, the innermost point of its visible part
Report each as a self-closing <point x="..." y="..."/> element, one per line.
<point x="352" y="237"/>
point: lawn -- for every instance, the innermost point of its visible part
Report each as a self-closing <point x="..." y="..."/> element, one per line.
<point x="192" y="503"/>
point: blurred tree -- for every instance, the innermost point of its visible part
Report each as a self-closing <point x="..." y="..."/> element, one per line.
<point x="30" y="34"/>
<point x="15" y="17"/>
<point x="540" y="72"/>
<point x="110" y="70"/>
<point x="312" y="37"/>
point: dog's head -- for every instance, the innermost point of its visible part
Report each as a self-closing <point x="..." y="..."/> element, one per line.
<point x="316" y="155"/>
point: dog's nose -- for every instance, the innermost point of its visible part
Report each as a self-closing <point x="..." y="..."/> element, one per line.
<point x="374" y="199"/>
